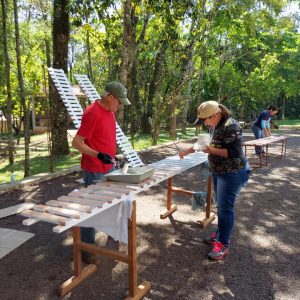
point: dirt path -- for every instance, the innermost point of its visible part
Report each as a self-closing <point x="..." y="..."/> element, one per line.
<point x="264" y="262"/>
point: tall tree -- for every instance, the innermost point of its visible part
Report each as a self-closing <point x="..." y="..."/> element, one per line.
<point x="9" y="105"/>
<point x="59" y="116"/>
<point x="128" y="49"/>
<point x="22" y="93"/>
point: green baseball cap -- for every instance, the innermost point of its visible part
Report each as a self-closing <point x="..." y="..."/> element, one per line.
<point x="118" y="90"/>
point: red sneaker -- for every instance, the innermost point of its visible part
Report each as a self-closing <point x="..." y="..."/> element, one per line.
<point x="218" y="252"/>
<point x="212" y="239"/>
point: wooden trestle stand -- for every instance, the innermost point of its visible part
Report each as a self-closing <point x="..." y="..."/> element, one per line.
<point x="135" y="292"/>
<point x="172" y="208"/>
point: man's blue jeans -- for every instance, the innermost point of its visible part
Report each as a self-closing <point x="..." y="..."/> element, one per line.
<point x="88" y="234"/>
<point x="259" y="134"/>
<point x="227" y="187"/>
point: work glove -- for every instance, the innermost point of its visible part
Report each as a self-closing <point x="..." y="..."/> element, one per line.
<point x="105" y="158"/>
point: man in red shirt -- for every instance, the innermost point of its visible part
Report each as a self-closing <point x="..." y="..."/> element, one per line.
<point x="96" y="140"/>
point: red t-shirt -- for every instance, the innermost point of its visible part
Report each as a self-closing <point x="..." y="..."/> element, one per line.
<point x="98" y="127"/>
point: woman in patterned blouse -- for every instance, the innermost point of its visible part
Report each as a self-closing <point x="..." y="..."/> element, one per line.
<point x="229" y="169"/>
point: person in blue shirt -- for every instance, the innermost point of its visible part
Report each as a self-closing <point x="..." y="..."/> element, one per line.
<point x="261" y="126"/>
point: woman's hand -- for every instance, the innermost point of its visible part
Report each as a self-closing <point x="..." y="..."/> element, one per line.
<point x="215" y="151"/>
<point x="183" y="153"/>
<point x="208" y="149"/>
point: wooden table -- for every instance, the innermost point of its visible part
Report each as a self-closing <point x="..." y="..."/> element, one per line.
<point x="265" y="142"/>
<point x="72" y="210"/>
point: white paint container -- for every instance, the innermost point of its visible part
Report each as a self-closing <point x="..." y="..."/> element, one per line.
<point x="203" y="140"/>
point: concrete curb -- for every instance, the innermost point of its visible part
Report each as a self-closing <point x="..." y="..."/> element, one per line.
<point x="6" y="187"/>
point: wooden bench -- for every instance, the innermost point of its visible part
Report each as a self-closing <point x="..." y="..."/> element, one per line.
<point x="265" y="142"/>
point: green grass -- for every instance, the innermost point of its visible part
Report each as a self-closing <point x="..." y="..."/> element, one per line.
<point x="294" y="122"/>
<point x="39" y="162"/>
<point x="143" y="141"/>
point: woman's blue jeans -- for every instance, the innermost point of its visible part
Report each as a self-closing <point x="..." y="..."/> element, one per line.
<point x="227" y="187"/>
<point x="259" y="134"/>
<point x="88" y="234"/>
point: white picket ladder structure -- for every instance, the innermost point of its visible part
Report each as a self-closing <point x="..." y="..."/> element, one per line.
<point x="87" y="87"/>
<point x="131" y="155"/>
<point x="75" y="110"/>
<point x="67" y="95"/>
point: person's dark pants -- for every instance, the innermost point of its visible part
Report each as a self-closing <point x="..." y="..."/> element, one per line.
<point x="259" y="134"/>
<point x="227" y="187"/>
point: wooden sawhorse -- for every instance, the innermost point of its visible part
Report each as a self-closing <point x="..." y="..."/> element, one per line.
<point x="172" y="208"/>
<point x="135" y="291"/>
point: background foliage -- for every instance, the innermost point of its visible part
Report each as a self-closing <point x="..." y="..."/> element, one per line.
<point x="244" y="54"/>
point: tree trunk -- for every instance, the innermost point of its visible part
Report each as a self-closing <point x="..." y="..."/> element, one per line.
<point x="128" y="51"/>
<point x="186" y="107"/>
<point x="283" y="96"/>
<point x="88" y="47"/>
<point x="154" y="88"/>
<point x="135" y="110"/>
<point x="173" y="118"/>
<point x="9" y="105"/>
<point x="60" y="61"/>
<point x="186" y="70"/>
<point x="48" y="55"/>
<point x="22" y="93"/>
<point x="48" y="122"/>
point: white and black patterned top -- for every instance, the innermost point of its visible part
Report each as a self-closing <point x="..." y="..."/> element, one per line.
<point x="227" y="135"/>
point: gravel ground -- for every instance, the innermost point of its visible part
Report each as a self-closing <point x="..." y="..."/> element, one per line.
<point x="264" y="260"/>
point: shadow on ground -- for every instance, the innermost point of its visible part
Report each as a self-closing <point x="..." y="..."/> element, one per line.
<point x="264" y="262"/>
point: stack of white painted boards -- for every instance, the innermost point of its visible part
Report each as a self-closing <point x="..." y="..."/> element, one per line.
<point x="79" y="205"/>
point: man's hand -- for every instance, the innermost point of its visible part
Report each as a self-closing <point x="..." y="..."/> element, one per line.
<point x="105" y="158"/>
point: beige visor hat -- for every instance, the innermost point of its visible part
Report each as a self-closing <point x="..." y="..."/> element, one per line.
<point x="207" y="109"/>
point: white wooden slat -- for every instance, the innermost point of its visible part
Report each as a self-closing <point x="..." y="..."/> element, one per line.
<point x="79" y="200"/>
<point x="131" y="186"/>
<point x="30" y="221"/>
<point x="65" y="212"/>
<point x="107" y="198"/>
<point x="99" y="189"/>
<point x="74" y="206"/>
<point x="46" y="217"/>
